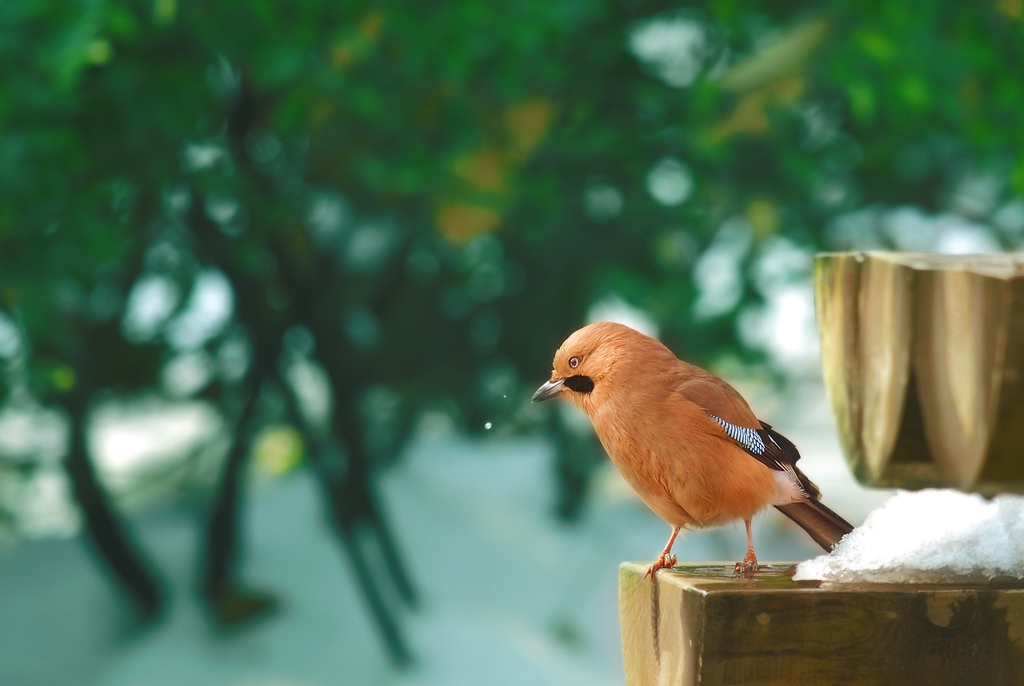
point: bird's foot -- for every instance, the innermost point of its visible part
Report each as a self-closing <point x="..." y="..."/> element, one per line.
<point x="665" y="561"/>
<point x="748" y="565"/>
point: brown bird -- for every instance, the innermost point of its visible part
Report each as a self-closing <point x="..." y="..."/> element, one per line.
<point x="684" y="439"/>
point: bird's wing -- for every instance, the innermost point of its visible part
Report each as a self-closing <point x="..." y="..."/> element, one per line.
<point x="783" y="452"/>
<point x="727" y="408"/>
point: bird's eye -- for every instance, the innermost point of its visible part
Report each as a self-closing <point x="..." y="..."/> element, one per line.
<point x="574" y="362"/>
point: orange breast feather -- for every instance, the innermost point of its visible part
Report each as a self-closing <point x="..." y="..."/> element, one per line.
<point x="680" y="462"/>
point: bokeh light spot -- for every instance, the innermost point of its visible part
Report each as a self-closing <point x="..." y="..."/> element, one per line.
<point x="602" y="202"/>
<point x="670" y="182"/>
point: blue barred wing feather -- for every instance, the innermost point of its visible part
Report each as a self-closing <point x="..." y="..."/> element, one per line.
<point x="769" y="447"/>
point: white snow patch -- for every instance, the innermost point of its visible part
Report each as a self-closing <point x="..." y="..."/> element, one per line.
<point x="930" y="536"/>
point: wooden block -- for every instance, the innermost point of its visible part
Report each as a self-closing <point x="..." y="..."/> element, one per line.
<point x="923" y="360"/>
<point x="702" y="624"/>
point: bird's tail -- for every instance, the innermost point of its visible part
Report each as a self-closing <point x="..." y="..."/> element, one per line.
<point x="821" y="523"/>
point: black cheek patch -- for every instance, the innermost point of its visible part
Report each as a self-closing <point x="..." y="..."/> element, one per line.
<point x="579" y="383"/>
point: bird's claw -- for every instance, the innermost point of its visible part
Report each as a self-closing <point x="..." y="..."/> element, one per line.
<point x="665" y="561"/>
<point x="748" y="565"/>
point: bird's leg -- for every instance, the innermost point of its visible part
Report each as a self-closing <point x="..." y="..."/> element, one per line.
<point x="749" y="563"/>
<point x="665" y="559"/>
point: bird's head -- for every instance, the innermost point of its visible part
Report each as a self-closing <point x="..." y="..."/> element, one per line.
<point x="596" y="359"/>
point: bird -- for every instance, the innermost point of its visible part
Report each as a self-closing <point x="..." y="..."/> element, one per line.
<point x="684" y="439"/>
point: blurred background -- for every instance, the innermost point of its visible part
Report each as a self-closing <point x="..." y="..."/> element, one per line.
<point x="277" y="280"/>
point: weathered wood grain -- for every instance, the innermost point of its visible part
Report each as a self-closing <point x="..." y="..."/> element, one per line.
<point x="701" y="624"/>
<point x="923" y="359"/>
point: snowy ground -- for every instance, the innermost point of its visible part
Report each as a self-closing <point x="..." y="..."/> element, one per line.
<point x="510" y="595"/>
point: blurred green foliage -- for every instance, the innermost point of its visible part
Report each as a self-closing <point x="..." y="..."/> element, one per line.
<point x="348" y="216"/>
<point x="438" y="192"/>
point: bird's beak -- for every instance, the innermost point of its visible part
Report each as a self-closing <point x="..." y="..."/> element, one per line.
<point x="548" y="391"/>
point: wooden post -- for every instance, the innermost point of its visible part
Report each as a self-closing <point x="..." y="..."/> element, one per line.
<point x="923" y="360"/>
<point x="703" y="624"/>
